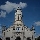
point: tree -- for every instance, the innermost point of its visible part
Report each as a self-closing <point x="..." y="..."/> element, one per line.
<point x="0" y="39"/>
<point x="38" y="38"/>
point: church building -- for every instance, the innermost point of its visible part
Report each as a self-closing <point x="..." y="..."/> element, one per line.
<point x="18" y="31"/>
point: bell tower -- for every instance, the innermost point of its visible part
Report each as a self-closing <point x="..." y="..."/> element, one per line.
<point x="18" y="14"/>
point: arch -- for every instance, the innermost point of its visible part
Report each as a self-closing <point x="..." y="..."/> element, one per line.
<point x="7" y="38"/>
<point x="28" y="38"/>
<point x="18" y="38"/>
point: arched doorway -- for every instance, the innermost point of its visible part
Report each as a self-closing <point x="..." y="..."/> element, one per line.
<point x="7" y="38"/>
<point x="18" y="38"/>
<point x="28" y="38"/>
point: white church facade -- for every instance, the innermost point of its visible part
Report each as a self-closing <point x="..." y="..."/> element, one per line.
<point x="18" y="31"/>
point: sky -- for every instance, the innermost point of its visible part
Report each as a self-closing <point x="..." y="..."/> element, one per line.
<point x="30" y="11"/>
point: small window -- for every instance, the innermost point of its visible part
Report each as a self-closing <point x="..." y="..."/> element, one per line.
<point x="7" y="31"/>
<point x="12" y="37"/>
<point x="32" y="36"/>
<point x="18" y="7"/>
<point x="13" y="28"/>
<point x="18" y="28"/>
<point x="4" y="33"/>
<point x="22" y="28"/>
<point x="16" y="10"/>
<point x="4" y="29"/>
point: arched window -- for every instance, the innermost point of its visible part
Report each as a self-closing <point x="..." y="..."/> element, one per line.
<point x="14" y="28"/>
<point x="4" y="33"/>
<point x="22" y="28"/>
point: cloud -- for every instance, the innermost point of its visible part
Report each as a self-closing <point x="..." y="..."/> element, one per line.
<point x="9" y="6"/>
<point x="2" y="14"/>
<point x="37" y="23"/>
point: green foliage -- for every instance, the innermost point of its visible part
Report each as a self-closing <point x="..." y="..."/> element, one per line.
<point x="38" y="38"/>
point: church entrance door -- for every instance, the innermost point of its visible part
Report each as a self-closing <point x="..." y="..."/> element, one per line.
<point x="18" y="38"/>
<point x="28" y="39"/>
